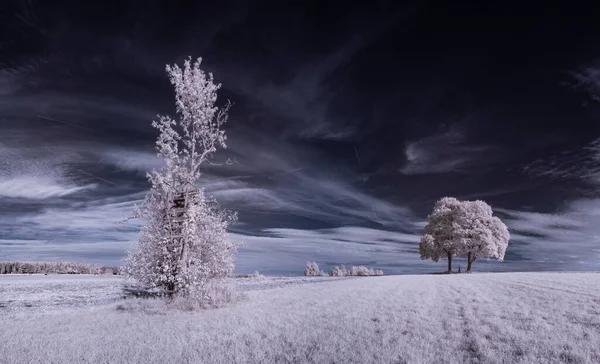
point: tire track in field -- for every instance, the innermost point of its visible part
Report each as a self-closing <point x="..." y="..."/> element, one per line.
<point x="469" y="344"/>
<point x="528" y="307"/>
<point x="546" y="289"/>
<point x="469" y="291"/>
<point x="488" y="331"/>
<point x="584" y="286"/>
<point x="459" y="317"/>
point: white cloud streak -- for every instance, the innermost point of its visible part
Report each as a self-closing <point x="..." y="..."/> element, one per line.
<point x="571" y="236"/>
<point x="441" y="153"/>
<point x="288" y="250"/>
<point x="38" y="188"/>
<point x="583" y="165"/>
<point x="30" y="173"/>
<point x="131" y="160"/>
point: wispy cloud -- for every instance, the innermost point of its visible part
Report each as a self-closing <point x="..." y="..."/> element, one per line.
<point x="100" y="252"/>
<point x="273" y="180"/>
<point x="580" y="164"/>
<point x="31" y="174"/>
<point x="444" y="152"/>
<point x="85" y="231"/>
<point x="38" y="188"/>
<point x="567" y="239"/>
<point x="308" y="191"/>
<point x="304" y="99"/>
<point x="588" y="77"/>
<point x="288" y="250"/>
<point x="94" y="221"/>
<point x="131" y="160"/>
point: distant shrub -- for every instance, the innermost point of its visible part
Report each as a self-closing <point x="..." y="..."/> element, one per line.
<point x="364" y="271"/>
<point x="257" y="274"/>
<point x="312" y="269"/>
<point x="340" y="271"/>
<point x="360" y="271"/>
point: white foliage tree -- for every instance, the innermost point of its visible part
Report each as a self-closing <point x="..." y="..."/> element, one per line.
<point x="184" y="247"/>
<point x="440" y="238"/>
<point x="339" y="271"/>
<point x="457" y="228"/>
<point x="312" y="269"/>
<point x="484" y="235"/>
<point x="362" y="271"/>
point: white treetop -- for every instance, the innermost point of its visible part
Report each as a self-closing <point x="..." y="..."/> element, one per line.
<point x="457" y="228"/>
<point x="184" y="247"/>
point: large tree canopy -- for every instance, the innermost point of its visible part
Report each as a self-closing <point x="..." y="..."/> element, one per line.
<point x="459" y="228"/>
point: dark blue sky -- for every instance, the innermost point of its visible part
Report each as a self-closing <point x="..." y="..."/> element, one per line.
<point x="350" y="120"/>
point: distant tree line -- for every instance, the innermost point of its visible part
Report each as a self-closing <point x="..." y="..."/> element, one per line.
<point x="55" y="268"/>
<point x="312" y="270"/>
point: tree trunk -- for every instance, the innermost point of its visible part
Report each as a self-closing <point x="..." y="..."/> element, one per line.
<point x="170" y="289"/>
<point x="470" y="259"/>
<point x="449" y="262"/>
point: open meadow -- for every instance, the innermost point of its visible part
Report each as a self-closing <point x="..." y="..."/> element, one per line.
<point x="476" y="318"/>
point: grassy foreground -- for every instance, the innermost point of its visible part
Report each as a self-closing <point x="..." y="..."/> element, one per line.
<point x="478" y="318"/>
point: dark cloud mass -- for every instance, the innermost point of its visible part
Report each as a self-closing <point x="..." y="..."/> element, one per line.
<point x="350" y="119"/>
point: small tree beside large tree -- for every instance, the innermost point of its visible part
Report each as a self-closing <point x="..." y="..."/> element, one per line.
<point x="184" y="247"/>
<point x="459" y="228"/>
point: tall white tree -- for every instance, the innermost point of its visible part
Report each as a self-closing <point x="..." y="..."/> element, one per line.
<point x="440" y="239"/>
<point x="184" y="247"/>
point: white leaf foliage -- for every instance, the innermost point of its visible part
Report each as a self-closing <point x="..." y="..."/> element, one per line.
<point x="354" y="271"/>
<point x="312" y="269"/>
<point x="364" y="271"/>
<point x="184" y="246"/>
<point x="458" y="228"/>
<point x="339" y="271"/>
<point x="440" y="238"/>
<point x="483" y="235"/>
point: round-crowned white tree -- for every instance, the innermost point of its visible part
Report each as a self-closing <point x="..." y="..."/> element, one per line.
<point x="483" y="235"/>
<point x="440" y="238"/>
<point x="459" y="228"/>
<point x="184" y="247"/>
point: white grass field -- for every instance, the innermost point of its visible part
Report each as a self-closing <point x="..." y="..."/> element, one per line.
<point x="477" y="318"/>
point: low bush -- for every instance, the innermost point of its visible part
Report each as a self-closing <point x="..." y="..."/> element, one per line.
<point x="152" y="301"/>
<point x="312" y="269"/>
<point x="341" y="271"/>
